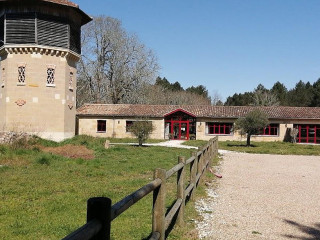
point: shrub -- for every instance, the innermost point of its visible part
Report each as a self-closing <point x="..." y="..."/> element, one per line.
<point x="142" y="130"/>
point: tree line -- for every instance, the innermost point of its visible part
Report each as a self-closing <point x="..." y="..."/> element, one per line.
<point x="302" y="95"/>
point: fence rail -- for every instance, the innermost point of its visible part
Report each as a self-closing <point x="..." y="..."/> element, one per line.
<point x="100" y="212"/>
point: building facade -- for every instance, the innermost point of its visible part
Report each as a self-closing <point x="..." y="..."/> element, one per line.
<point x="39" y="48"/>
<point x="197" y="122"/>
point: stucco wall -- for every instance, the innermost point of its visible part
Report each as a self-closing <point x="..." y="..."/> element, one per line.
<point x="116" y="127"/>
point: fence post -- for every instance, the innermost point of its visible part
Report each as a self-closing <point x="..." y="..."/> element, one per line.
<point x="100" y="208"/>
<point x="207" y="157"/>
<point x="210" y="155"/>
<point x="159" y="199"/>
<point x="181" y="190"/>
<point x="193" y="174"/>
<point x="200" y="162"/>
<point x="217" y="146"/>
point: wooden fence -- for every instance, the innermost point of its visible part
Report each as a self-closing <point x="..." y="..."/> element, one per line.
<point x="100" y="212"/>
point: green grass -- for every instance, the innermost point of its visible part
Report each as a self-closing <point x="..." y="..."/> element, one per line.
<point x="283" y="148"/>
<point x="195" y="143"/>
<point x="133" y="140"/>
<point x="43" y="196"/>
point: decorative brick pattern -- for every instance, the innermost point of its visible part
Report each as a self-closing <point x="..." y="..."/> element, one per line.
<point x="21" y="73"/>
<point x="50" y="74"/>
<point x="70" y="105"/>
<point x="20" y="102"/>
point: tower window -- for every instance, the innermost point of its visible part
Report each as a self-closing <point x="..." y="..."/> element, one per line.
<point x="50" y="75"/>
<point x="3" y="77"/>
<point x="71" y="81"/>
<point x="21" y="74"/>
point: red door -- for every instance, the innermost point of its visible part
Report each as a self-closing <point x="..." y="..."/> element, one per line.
<point x="180" y="130"/>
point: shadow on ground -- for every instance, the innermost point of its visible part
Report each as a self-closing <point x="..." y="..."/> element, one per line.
<point x="313" y="232"/>
<point x="240" y="145"/>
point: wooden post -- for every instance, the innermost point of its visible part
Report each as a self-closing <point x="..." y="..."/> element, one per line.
<point x="210" y="155"/>
<point x="100" y="208"/>
<point x="159" y="199"/>
<point x="180" y="190"/>
<point x="217" y="146"/>
<point x="193" y="174"/>
<point x="206" y="157"/>
<point x="200" y="162"/>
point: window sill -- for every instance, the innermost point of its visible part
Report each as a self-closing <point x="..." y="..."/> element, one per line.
<point x="21" y="84"/>
<point x="51" y="85"/>
<point x="101" y="131"/>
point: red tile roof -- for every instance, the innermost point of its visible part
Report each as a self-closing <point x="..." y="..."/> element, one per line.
<point x="84" y="17"/>
<point x="62" y="2"/>
<point x="131" y="110"/>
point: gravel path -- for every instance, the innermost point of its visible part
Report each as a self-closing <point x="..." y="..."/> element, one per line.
<point x="263" y="197"/>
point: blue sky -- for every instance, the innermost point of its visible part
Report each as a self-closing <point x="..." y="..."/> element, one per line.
<point x="230" y="46"/>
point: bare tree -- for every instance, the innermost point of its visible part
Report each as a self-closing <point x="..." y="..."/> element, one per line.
<point x="114" y="64"/>
<point x="216" y="99"/>
<point x="154" y="94"/>
<point x="265" y="98"/>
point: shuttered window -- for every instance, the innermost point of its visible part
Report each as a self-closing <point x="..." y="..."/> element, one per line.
<point x="37" y="28"/>
<point x="20" y="28"/>
<point x="1" y="31"/>
<point x="52" y="33"/>
<point x="75" y="38"/>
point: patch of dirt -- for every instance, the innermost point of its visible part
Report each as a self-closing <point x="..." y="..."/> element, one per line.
<point x="18" y="162"/>
<point x="71" y="151"/>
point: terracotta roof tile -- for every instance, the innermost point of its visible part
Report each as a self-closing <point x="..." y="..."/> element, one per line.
<point x="62" y="2"/>
<point x="131" y="110"/>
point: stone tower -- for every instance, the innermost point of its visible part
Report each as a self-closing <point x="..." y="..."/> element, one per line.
<point x="39" y="48"/>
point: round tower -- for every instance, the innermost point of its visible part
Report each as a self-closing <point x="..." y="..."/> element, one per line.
<point x="40" y="44"/>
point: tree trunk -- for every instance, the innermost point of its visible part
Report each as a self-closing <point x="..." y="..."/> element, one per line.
<point x="248" y="140"/>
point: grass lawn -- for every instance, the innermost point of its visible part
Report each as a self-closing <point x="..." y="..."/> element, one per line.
<point x="43" y="195"/>
<point x="283" y="148"/>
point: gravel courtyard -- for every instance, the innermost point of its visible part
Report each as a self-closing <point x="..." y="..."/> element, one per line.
<point x="263" y="197"/>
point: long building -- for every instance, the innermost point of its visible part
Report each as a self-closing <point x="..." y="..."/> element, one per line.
<point x="197" y="122"/>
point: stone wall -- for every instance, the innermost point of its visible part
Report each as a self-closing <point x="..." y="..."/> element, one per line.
<point x="47" y="110"/>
